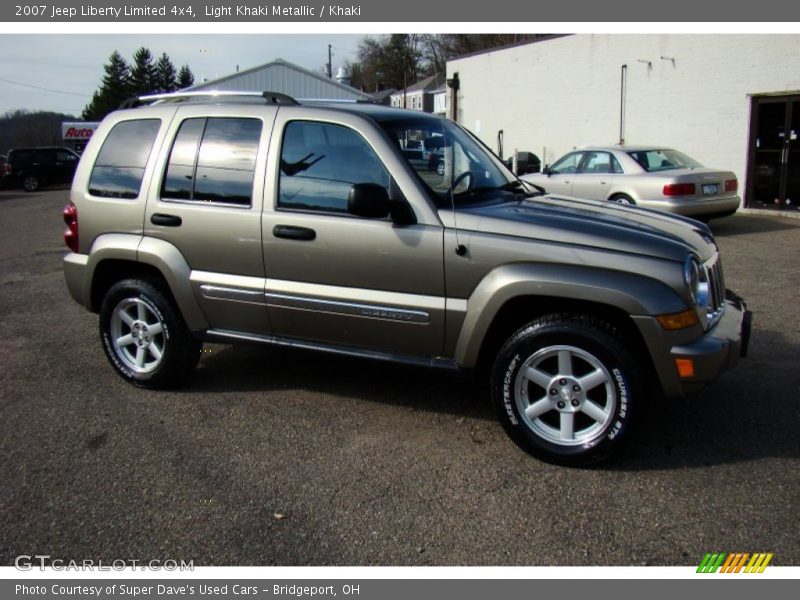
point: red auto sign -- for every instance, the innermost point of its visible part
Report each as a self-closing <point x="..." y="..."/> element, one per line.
<point x="77" y="131"/>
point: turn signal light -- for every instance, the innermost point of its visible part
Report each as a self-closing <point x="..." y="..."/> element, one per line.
<point x="679" y="189"/>
<point x="685" y="367"/>
<point x="680" y="320"/>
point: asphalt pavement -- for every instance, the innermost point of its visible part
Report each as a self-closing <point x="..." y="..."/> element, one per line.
<point x="274" y="457"/>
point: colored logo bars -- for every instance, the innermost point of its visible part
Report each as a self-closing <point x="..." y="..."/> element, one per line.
<point x="735" y="562"/>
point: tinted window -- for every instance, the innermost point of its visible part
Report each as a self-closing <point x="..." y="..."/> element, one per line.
<point x="120" y="165"/>
<point x="319" y="164"/>
<point x="180" y="170"/>
<point x="213" y="160"/>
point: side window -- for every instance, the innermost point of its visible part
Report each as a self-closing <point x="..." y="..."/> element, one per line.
<point x="119" y="167"/>
<point x="616" y="167"/>
<point x="319" y="164"/>
<point x="64" y="156"/>
<point x="568" y="164"/>
<point x="213" y="160"/>
<point x="597" y="162"/>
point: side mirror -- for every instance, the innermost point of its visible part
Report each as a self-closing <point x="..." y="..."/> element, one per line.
<point x="546" y="170"/>
<point x="368" y="200"/>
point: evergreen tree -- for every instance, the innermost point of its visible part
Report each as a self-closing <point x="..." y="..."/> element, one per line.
<point x="185" y="78"/>
<point x="166" y="76"/>
<point x="114" y="89"/>
<point x="143" y="73"/>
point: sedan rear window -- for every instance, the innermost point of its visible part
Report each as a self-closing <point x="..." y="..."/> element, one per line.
<point x="663" y="160"/>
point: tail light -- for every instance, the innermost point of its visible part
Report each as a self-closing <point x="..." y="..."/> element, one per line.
<point x="7" y="169"/>
<point x="731" y="185"/>
<point x="679" y="189"/>
<point x="71" y="232"/>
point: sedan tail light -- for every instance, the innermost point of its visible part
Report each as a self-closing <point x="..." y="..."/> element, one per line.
<point x="71" y="232"/>
<point x="679" y="189"/>
<point x="731" y="185"/>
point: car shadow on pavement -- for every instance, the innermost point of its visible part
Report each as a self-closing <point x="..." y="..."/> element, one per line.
<point x="747" y="224"/>
<point x="256" y="369"/>
<point x="750" y="413"/>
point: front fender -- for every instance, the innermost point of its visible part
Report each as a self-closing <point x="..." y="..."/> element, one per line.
<point x="632" y="293"/>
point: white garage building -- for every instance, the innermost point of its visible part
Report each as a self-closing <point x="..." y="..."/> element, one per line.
<point x="729" y="101"/>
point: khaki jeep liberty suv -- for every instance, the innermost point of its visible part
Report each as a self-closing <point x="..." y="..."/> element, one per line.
<point x="236" y="217"/>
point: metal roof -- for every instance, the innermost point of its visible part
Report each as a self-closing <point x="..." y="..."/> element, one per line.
<point x="284" y="77"/>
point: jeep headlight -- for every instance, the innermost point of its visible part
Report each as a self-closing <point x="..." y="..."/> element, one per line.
<point x="696" y="279"/>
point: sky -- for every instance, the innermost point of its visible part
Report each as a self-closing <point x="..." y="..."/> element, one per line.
<point x="71" y="66"/>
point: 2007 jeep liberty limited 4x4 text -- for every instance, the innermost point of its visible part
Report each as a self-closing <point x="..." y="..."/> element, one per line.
<point x="254" y="218"/>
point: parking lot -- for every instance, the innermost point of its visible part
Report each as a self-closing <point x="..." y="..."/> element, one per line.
<point x="278" y="457"/>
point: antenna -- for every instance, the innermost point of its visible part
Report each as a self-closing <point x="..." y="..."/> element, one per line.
<point x="461" y="249"/>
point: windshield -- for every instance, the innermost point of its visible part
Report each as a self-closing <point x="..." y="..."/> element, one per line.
<point x="448" y="159"/>
<point x="663" y="160"/>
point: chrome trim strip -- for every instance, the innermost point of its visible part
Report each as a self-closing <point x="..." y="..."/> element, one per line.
<point x="302" y="289"/>
<point x="422" y="361"/>
<point x="371" y="311"/>
<point x="215" y="292"/>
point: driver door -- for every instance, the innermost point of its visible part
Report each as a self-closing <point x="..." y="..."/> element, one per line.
<point x="562" y="174"/>
<point x="335" y="278"/>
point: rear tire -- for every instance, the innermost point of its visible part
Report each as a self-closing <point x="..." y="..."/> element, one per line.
<point x="564" y="386"/>
<point x="31" y="183"/>
<point x="623" y="199"/>
<point x="144" y="336"/>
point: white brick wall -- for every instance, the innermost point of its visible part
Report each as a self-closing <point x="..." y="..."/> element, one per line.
<point x="551" y="96"/>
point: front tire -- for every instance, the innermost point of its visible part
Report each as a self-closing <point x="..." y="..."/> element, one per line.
<point x="144" y="336"/>
<point x="564" y="386"/>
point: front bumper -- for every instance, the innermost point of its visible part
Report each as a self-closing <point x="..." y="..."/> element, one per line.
<point x="718" y="350"/>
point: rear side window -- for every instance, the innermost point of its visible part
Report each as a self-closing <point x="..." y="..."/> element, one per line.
<point x="213" y="160"/>
<point x="119" y="167"/>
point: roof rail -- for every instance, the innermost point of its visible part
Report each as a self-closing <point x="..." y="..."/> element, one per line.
<point x="210" y="95"/>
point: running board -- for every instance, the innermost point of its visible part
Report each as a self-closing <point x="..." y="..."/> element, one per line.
<point x="225" y="335"/>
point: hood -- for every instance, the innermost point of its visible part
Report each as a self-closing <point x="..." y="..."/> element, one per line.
<point x="561" y="219"/>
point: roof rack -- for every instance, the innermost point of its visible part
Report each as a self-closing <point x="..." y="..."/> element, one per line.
<point x="207" y="96"/>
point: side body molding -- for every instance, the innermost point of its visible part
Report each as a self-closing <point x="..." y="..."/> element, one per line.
<point x="634" y="294"/>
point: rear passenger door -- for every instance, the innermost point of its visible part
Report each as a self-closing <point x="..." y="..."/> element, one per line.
<point x="335" y="278"/>
<point x="207" y="202"/>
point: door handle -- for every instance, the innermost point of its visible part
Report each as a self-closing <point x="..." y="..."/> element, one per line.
<point x="290" y="232"/>
<point x="166" y="220"/>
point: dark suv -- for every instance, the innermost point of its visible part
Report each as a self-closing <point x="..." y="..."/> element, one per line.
<point x="33" y="168"/>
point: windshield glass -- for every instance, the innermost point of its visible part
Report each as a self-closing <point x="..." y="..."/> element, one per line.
<point x="663" y="160"/>
<point x="447" y="159"/>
